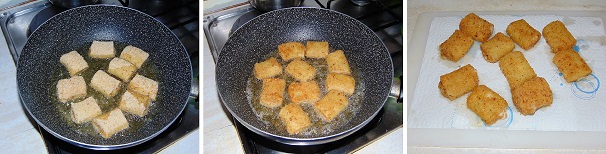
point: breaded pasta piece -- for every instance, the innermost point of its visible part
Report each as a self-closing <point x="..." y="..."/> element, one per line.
<point x="331" y="105"/>
<point x="295" y="119"/>
<point x="558" y="37"/>
<point x="571" y="64"/>
<point x="337" y="63"/>
<point x="458" y="82"/>
<point x="291" y="50"/>
<point x="304" y="92"/>
<point x="267" y="69"/>
<point x="516" y="69"/>
<point x="496" y="47"/>
<point x="340" y="82"/>
<point x="523" y="34"/>
<point x="476" y="27"/>
<point x="456" y="46"/>
<point x="316" y="49"/>
<point x="487" y="104"/>
<point x="300" y="70"/>
<point x="532" y="95"/>
<point x="272" y="92"/>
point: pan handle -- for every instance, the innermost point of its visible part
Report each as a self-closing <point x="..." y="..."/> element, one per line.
<point x="195" y="90"/>
<point x="396" y="89"/>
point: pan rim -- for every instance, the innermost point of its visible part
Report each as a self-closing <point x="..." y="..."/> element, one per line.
<point x="181" y="107"/>
<point x="313" y="140"/>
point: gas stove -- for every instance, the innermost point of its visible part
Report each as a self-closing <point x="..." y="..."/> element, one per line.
<point x="181" y="17"/>
<point x="384" y="17"/>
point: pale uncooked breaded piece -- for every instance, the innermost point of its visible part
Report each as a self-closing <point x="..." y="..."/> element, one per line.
<point x="337" y="63"/>
<point x="300" y="70"/>
<point x="85" y="110"/>
<point x="456" y="46"/>
<point x="571" y="64"/>
<point x="267" y="69"/>
<point x="331" y="105"/>
<point x="316" y="49"/>
<point x="291" y="50"/>
<point x="476" y="27"/>
<point x="70" y="89"/>
<point x="144" y="86"/>
<point x="340" y="82"/>
<point x="516" y="69"/>
<point x="497" y="47"/>
<point x="121" y="69"/>
<point x="110" y="123"/>
<point x="523" y="34"/>
<point x="558" y="37"/>
<point x="532" y="95"/>
<point x="134" y="103"/>
<point x="272" y="92"/>
<point x="74" y="62"/>
<point x="487" y="104"/>
<point x="295" y="119"/>
<point x="304" y="92"/>
<point x="102" y="50"/>
<point x="134" y="55"/>
<point x="105" y="84"/>
<point x="458" y="82"/>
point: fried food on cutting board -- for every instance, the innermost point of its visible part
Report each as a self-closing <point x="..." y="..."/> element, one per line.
<point x="516" y="69"/>
<point x="571" y="64"/>
<point x="523" y="34"/>
<point x="558" y="37"/>
<point x="458" y="82"/>
<point x="456" y="46"/>
<point x="532" y="95"/>
<point x="487" y="104"/>
<point x="476" y="27"/>
<point x="496" y="47"/>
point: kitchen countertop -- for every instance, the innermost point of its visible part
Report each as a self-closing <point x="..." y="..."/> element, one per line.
<point x="17" y="133"/>
<point x="417" y="7"/>
<point x="220" y="134"/>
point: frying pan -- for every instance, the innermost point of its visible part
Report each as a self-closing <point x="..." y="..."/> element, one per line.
<point x="77" y="28"/>
<point x="260" y="37"/>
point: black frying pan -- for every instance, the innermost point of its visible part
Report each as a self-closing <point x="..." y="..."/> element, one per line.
<point x="259" y="37"/>
<point x="39" y="69"/>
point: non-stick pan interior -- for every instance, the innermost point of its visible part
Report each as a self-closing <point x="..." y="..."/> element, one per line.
<point x="78" y="27"/>
<point x="259" y="37"/>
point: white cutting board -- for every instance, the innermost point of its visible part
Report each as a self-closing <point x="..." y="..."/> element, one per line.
<point x="447" y="137"/>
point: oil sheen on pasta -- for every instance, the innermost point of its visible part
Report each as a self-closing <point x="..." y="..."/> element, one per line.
<point x="106" y="104"/>
<point x="318" y="126"/>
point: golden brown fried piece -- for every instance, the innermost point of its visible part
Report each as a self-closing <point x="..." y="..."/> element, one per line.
<point x="304" y="92"/>
<point x="532" y="95"/>
<point x="295" y="119"/>
<point x="291" y="50"/>
<point x="267" y="69"/>
<point x="571" y="64"/>
<point x="495" y="48"/>
<point x="459" y="82"/>
<point x="316" y="49"/>
<point x="74" y="62"/>
<point x="487" y="104"/>
<point x="558" y="37"/>
<point x="272" y="92"/>
<point x="300" y="70"/>
<point x="523" y="34"/>
<point x="331" y="105"/>
<point x="456" y="46"/>
<point x="340" y="82"/>
<point x="516" y="69"/>
<point x="337" y="63"/>
<point x="476" y="27"/>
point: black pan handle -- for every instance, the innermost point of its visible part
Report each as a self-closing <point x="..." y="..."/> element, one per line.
<point x="396" y="89"/>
